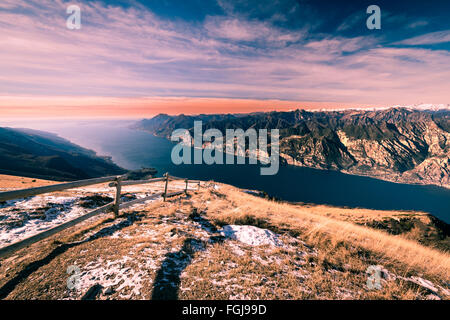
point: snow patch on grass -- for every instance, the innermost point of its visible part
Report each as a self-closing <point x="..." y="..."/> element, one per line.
<point x="33" y="215"/>
<point x="251" y="235"/>
<point x="110" y="274"/>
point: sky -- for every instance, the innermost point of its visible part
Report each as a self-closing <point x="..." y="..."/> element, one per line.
<point x="140" y="58"/>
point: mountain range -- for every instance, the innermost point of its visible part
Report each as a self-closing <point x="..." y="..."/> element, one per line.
<point x="407" y="145"/>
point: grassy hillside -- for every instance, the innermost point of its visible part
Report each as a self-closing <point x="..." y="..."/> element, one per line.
<point x="179" y="250"/>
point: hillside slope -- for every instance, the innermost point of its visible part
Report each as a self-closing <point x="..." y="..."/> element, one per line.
<point x="45" y="155"/>
<point x="397" y="144"/>
<point x="221" y="242"/>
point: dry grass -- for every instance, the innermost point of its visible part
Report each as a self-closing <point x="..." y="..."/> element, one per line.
<point x="320" y="230"/>
<point x="360" y="215"/>
<point x="15" y="182"/>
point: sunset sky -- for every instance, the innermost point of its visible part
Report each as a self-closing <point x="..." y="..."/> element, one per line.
<point x="139" y="58"/>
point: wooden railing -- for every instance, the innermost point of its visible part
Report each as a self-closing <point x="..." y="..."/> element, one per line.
<point x="115" y="206"/>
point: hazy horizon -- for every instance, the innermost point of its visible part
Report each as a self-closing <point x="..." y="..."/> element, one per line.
<point x="25" y="119"/>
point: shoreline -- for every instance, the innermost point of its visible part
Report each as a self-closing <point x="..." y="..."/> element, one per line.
<point x="446" y="187"/>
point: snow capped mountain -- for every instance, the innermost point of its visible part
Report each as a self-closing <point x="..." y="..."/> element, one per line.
<point x="421" y="106"/>
<point x="426" y="106"/>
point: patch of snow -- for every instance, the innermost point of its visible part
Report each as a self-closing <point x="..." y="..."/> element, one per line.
<point x="212" y="185"/>
<point x="426" y="106"/>
<point x="55" y="210"/>
<point x="38" y="201"/>
<point x="116" y="274"/>
<point x="237" y="250"/>
<point x="422" y="106"/>
<point x="109" y="274"/>
<point x="251" y="235"/>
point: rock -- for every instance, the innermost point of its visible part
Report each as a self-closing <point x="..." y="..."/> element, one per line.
<point x="387" y="275"/>
<point x="16" y="223"/>
<point x="141" y="174"/>
<point x="444" y="291"/>
<point x="418" y="281"/>
<point x="422" y="283"/>
<point x="94" y="201"/>
<point x="108" y="291"/>
<point x="255" y="193"/>
<point x="93" y="292"/>
<point x="194" y="214"/>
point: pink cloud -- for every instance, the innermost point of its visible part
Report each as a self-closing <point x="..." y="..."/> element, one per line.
<point x="429" y="38"/>
<point x="133" y="53"/>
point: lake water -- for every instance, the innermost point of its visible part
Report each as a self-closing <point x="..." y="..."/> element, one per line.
<point x="134" y="149"/>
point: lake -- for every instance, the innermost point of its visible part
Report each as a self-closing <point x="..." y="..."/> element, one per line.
<point x="134" y="149"/>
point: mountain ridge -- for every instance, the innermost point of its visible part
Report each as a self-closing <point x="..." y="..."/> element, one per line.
<point x="395" y="144"/>
<point x="40" y="154"/>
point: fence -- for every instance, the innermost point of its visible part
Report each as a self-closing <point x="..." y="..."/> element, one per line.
<point x="115" y="206"/>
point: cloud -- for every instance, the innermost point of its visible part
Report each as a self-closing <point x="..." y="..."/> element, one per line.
<point x="429" y="38"/>
<point x="418" y="24"/>
<point x="357" y="18"/>
<point x="339" y="45"/>
<point x="245" y="30"/>
<point x="131" y="52"/>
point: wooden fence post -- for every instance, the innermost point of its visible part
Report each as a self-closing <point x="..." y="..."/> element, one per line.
<point x="185" y="190"/>
<point x="167" y="182"/>
<point x="117" y="197"/>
